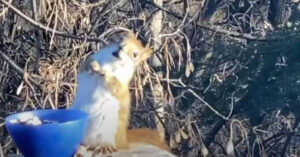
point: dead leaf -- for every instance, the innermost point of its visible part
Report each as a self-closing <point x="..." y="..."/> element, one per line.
<point x="184" y="135"/>
<point x="191" y="66"/>
<point x="178" y="137"/>
<point x="173" y="144"/>
<point x="189" y="69"/>
<point x="19" y="89"/>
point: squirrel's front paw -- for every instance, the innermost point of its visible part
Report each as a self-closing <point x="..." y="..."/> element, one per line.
<point x="80" y="151"/>
<point x="95" y="67"/>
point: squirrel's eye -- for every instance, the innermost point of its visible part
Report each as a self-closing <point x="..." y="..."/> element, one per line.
<point x="135" y="54"/>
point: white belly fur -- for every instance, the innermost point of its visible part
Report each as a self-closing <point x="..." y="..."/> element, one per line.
<point x="94" y="98"/>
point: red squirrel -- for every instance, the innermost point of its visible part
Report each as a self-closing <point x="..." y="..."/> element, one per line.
<point x="103" y="92"/>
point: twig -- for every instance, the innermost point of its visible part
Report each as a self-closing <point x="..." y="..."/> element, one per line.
<point x="221" y="146"/>
<point x="18" y="69"/>
<point x="1" y="151"/>
<point x="40" y="26"/>
<point x="265" y="142"/>
<point x="159" y="117"/>
<point x="231" y="106"/>
<point x="37" y="37"/>
<point x="164" y="9"/>
<point x="234" y="34"/>
<point x="215" y="29"/>
<point x="34" y="93"/>
<point x="4" y="10"/>
<point x="204" y="102"/>
<point x="288" y="139"/>
<point x="12" y="63"/>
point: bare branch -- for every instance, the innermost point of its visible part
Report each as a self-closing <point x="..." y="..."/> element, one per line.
<point x="40" y="26"/>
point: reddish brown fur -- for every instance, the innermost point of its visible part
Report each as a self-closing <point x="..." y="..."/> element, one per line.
<point x="148" y="136"/>
<point x="124" y="137"/>
<point x="121" y="92"/>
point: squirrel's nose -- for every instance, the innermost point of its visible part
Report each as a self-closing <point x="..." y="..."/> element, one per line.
<point x="116" y="54"/>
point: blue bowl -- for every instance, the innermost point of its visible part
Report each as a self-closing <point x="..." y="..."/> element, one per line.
<point x="60" y="139"/>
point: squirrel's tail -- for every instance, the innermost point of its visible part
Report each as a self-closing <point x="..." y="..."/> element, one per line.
<point x="148" y="136"/>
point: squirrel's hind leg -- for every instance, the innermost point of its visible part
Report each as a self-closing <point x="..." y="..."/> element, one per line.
<point x="105" y="150"/>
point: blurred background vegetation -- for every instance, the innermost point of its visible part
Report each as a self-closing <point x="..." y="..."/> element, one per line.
<point x="224" y="80"/>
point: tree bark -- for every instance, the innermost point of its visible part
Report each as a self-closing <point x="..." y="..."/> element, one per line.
<point x="158" y="90"/>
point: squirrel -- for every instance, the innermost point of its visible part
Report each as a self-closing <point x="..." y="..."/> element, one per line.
<point x="103" y="92"/>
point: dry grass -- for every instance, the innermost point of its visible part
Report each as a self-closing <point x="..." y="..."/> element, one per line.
<point x="44" y="52"/>
<point x="57" y="58"/>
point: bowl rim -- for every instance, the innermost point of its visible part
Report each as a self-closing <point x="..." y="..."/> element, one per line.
<point x="10" y="117"/>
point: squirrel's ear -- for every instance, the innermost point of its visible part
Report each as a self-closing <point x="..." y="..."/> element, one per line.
<point x="146" y="54"/>
<point x="131" y="34"/>
<point x="150" y="51"/>
<point x="127" y="37"/>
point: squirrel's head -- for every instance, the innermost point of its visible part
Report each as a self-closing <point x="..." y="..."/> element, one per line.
<point x="132" y="48"/>
<point x="119" y="60"/>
